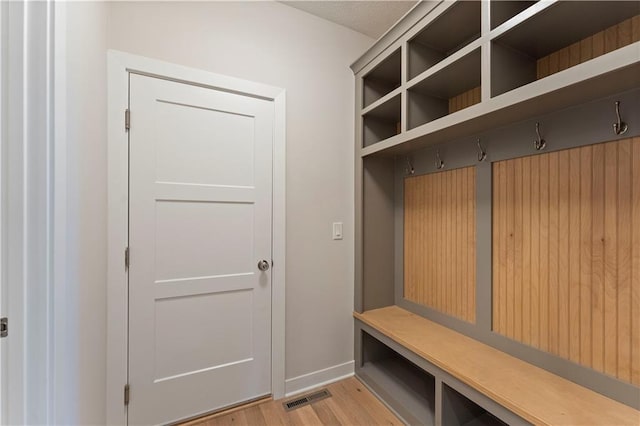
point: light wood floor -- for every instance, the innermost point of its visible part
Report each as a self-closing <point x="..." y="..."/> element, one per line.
<point x="351" y="403"/>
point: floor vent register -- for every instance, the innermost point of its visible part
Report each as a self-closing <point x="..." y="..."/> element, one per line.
<point x="306" y="400"/>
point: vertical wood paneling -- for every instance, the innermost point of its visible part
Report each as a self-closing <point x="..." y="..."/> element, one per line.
<point x="553" y="253"/>
<point x="439" y="243"/>
<point x="517" y="231"/>
<point x="563" y="256"/>
<point x="624" y="260"/>
<point x="635" y="29"/>
<point x="574" y="255"/>
<point x="585" y="255"/>
<point x="510" y="246"/>
<point x="597" y="259"/>
<point x="471" y="243"/>
<point x="610" y="258"/>
<point x="464" y="100"/>
<point x="526" y="251"/>
<point x="610" y="39"/>
<point x="502" y="189"/>
<point x="544" y="253"/>
<point x="535" y="251"/>
<point x="566" y="254"/>
<point x="635" y="264"/>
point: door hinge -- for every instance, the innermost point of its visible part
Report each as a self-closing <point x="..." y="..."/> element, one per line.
<point x="127" y="394"/>
<point x="127" y="119"/>
<point x="126" y="258"/>
<point x="4" y="327"/>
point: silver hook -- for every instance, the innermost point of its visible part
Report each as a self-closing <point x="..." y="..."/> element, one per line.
<point x="482" y="154"/>
<point x="539" y="143"/>
<point x="619" y="127"/>
<point x="439" y="162"/>
<point x="409" y="167"/>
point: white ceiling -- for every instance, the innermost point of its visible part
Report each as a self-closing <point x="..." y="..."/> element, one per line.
<point x="371" y="18"/>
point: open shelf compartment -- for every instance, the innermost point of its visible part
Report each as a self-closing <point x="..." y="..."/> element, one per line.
<point x="503" y="10"/>
<point x="458" y="410"/>
<point x="410" y="390"/>
<point x="561" y="36"/>
<point x="451" y="89"/>
<point x="382" y="122"/>
<point x="383" y="79"/>
<point x="448" y="33"/>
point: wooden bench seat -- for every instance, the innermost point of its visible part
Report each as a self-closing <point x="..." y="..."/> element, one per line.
<point x="534" y="394"/>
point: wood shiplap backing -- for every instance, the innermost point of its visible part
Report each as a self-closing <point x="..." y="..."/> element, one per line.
<point x="440" y="241"/>
<point x="566" y="254"/>
<point x="464" y="100"/>
<point x="612" y="38"/>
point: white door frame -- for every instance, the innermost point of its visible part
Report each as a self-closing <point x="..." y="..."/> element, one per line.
<point x="28" y="198"/>
<point x="120" y="64"/>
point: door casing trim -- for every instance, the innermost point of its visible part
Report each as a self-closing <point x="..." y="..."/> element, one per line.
<point x="119" y="65"/>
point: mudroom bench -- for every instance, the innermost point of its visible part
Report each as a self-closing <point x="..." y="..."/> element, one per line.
<point x="430" y="374"/>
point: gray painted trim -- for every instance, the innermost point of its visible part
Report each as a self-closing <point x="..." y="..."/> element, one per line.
<point x="438" y="419"/>
<point x="415" y="15"/>
<point x="358" y="211"/>
<point x="378" y="232"/>
<point x="441" y="377"/>
<point x="573" y="127"/>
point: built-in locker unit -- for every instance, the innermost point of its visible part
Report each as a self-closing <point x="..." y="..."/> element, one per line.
<point x="497" y="214"/>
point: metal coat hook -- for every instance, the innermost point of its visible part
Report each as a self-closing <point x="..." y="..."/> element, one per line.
<point x="482" y="154"/>
<point x="439" y="162"/>
<point x="409" y="167"/>
<point x="619" y="127"/>
<point x="539" y="143"/>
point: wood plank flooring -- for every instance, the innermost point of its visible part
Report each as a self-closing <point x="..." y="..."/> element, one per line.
<point x="351" y="403"/>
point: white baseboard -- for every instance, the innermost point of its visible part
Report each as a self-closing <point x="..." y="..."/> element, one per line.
<point x="318" y="378"/>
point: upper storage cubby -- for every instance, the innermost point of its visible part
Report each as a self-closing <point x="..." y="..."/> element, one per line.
<point x="381" y="121"/>
<point x="563" y="35"/>
<point x="503" y="10"/>
<point x="455" y="87"/>
<point x="455" y="28"/>
<point x="382" y="80"/>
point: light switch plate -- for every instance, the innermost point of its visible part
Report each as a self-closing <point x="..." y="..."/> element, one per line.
<point x="337" y="230"/>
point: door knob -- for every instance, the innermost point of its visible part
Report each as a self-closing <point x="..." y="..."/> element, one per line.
<point x="263" y="265"/>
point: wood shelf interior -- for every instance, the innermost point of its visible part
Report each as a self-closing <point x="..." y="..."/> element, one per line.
<point x="503" y="10"/>
<point x="451" y="31"/>
<point x="449" y="90"/>
<point x="410" y="389"/>
<point x="554" y="40"/>
<point x="383" y="79"/>
<point x="382" y="122"/>
<point x="458" y="410"/>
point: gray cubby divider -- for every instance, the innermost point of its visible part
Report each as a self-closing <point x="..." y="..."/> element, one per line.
<point x="455" y="28"/>
<point x="515" y="53"/>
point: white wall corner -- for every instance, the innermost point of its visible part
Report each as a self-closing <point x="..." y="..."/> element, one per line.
<point x="318" y="378"/>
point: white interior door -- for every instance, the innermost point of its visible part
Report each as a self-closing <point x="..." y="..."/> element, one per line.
<point x="199" y="223"/>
